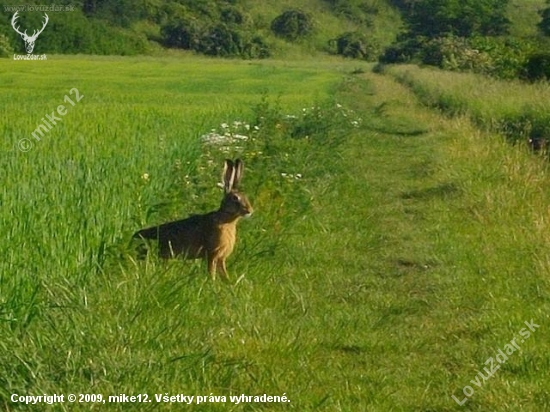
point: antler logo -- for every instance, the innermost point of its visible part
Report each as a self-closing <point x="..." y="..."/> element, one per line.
<point x="29" y="40"/>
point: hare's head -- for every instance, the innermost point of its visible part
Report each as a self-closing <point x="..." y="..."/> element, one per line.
<point x="234" y="202"/>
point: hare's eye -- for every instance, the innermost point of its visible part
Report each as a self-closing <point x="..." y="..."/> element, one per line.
<point x="235" y="198"/>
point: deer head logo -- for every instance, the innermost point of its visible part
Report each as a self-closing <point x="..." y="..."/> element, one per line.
<point x="29" y="40"/>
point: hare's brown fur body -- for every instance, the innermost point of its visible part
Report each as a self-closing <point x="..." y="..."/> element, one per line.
<point x="209" y="236"/>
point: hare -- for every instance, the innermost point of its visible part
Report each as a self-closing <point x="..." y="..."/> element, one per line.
<point x="210" y="236"/>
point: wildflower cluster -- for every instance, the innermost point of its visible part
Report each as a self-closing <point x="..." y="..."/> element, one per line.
<point x="268" y="136"/>
<point x="229" y="136"/>
<point x="291" y="176"/>
<point x="317" y="120"/>
<point x="349" y="115"/>
<point x="233" y="136"/>
<point x="336" y="113"/>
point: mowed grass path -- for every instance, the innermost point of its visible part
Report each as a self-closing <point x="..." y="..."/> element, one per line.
<point x="447" y="245"/>
<point x="383" y="280"/>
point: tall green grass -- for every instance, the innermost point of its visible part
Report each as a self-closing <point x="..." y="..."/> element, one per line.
<point x="79" y="314"/>
<point x="514" y="108"/>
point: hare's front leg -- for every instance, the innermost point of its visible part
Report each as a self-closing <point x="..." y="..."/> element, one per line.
<point x="216" y="264"/>
<point x="212" y="263"/>
<point x="223" y="270"/>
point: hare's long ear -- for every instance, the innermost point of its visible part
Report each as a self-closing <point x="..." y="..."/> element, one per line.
<point x="228" y="175"/>
<point x="239" y="169"/>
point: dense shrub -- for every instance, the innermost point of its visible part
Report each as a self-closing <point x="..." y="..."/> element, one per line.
<point x="223" y="41"/>
<point x="182" y="34"/>
<point x="457" y="35"/>
<point x="356" y="45"/>
<point x="537" y="67"/>
<point x="232" y="15"/>
<point x="544" y="24"/>
<point x="405" y="50"/>
<point x="220" y="40"/>
<point x="217" y="40"/>
<point x="456" y="53"/>
<point x="256" y="48"/>
<point x="214" y="29"/>
<point x="507" y="55"/>
<point x="292" y="24"/>
<point x="499" y="57"/>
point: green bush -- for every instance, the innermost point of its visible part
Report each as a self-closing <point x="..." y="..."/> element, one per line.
<point x="256" y="48"/>
<point x="404" y="50"/>
<point x="507" y="55"/>
<point x="544" y="24"/>
<point x="220" y="40"/>
<point x="498" y="57"/>
<point x="232" y="15"/>
<point x="217" y="40"/>
<point x="447" y="34"/>
<point x="292" y="24"/>
<point x="356" y="45"/>
<point x="455" y="53"/>
<point x="537" y="67"/>
<point x="181" y="33"/>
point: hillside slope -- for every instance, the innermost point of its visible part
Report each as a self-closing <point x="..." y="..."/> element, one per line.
<point x="126" y="27"/>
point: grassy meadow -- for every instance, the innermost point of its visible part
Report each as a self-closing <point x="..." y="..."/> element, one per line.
<point x="392" y="251"/>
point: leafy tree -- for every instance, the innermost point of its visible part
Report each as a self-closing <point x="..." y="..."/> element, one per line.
<point x="292" y="24"/>
<point x="447" y="33"/>
<point x="538" y="67"/>
<point x="220" y="40"/>
<point x="182" y="34"/>
<point x="464" y="18"/>
<point x="356" y="45"/>
<point x="213" y="40"/>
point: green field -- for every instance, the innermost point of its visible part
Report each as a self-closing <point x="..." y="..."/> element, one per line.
<point x="392" y="252"/>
